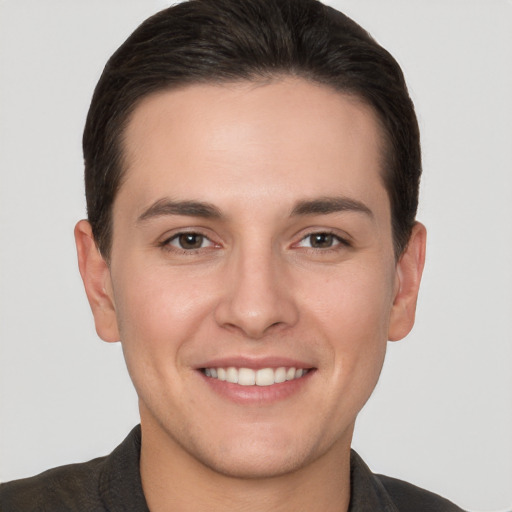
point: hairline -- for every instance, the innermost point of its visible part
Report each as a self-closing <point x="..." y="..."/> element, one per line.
<point x="258" y="79"/>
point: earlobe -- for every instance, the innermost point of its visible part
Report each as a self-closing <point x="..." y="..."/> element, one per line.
<point x="409" y="270"/>
<point x="97" y="282"/>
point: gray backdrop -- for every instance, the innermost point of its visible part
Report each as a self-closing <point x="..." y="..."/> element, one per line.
<point x="441" y="416"/>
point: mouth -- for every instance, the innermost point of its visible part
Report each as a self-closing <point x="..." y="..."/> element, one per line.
<point x="251" y="377"/>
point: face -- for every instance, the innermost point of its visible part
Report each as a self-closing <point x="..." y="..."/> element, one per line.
<point x="252" y="278"/>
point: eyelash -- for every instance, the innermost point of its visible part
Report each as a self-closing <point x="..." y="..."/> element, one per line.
<point x="336" y="240"/>
<point x="167" y="243"/>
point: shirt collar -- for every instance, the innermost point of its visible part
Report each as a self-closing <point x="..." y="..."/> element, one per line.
<point x="367" y="494"/>
<point x="120" y="485"/>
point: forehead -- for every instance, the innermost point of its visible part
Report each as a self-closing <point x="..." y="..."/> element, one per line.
<point x="282" y="139"/>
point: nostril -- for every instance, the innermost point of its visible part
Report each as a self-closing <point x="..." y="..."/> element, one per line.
<point x="255" y="303"/>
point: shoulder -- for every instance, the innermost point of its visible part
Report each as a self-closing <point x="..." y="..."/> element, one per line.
<point x="379" y="493"/>
<point x="407" y="497"/>
<point x="71" y="487"/>
<point x="106" y="483"/>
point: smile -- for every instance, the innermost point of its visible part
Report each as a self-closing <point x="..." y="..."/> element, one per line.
<point x="250" y="377"/>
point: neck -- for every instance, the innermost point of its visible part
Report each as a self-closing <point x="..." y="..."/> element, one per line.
<point x="174" y="480"/>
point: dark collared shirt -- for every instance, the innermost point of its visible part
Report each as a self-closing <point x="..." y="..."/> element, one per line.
<point x="113" y="484"/>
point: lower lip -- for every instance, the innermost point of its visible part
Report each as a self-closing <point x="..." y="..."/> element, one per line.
<point x="257" y="394"/>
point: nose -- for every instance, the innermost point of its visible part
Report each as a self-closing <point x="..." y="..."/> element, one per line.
<point x="257" y="296"/>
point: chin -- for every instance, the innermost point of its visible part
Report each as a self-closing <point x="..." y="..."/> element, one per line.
<point x="256" y="465"/>
<point x="260" y="453"/>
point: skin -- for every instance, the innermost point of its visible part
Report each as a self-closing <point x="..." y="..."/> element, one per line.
<point x="257" y="286"/>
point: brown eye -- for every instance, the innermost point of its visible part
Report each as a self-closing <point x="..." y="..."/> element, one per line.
<point x="189" y="241"/>
<point x="321" y="240"/>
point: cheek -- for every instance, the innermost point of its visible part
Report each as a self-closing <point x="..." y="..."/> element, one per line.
<point x="352" y="303"/>
<point x="159" y="313"/>
<point x="158" y="310"/>
<point x="352" y="312"/>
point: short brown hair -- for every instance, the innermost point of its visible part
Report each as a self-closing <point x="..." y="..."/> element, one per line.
<point x="218" y="41"/>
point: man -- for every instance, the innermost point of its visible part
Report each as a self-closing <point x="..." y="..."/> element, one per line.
<point x="252" y="173"/>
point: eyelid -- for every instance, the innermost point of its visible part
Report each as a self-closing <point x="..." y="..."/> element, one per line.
<point x="342" y="240"/>
<point x="178" y="235"/>
<point x="165" y="241"/>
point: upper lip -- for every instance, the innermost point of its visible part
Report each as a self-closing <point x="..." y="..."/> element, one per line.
<point x="255" y="363"/>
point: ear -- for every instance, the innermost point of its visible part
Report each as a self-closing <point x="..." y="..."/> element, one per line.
<point x="408" y="276"/>
<point x="97" y="282"/>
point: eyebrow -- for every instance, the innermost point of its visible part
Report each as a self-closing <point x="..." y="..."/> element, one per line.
<point x="327" y="205"/>
<point x="319" y="206"/>
<point x="164" y="207"/>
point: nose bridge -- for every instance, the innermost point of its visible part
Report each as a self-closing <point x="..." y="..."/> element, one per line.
<point x="256" y="297"/>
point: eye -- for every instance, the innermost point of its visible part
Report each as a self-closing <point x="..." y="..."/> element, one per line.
<point x="321" y="240"/>
<point x="189" y="241"/>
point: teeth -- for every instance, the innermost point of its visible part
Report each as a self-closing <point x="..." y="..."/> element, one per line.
<point x="232" y="375"/>
<point x="280" y="375"/>
<point x="261" y="377"/>
<point x="246" y="377"/>
<point x="265" y="377"/>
